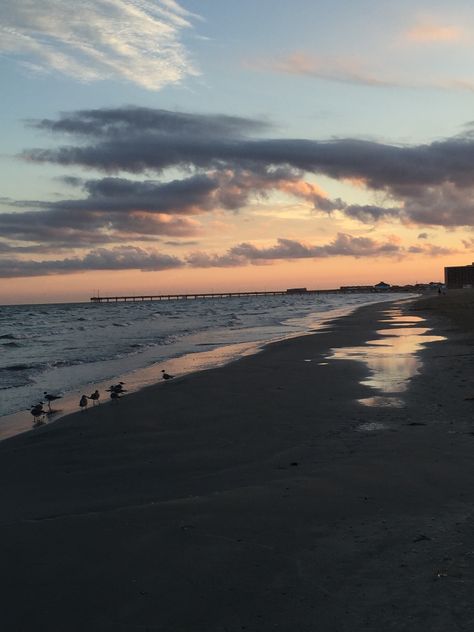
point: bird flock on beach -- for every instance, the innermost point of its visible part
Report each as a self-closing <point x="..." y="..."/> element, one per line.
<point x="116" y="391"/>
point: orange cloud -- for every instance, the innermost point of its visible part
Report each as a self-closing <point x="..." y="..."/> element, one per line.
<point x="358" y="183"/>
<point x="301" y="188"/>
<point x="345" y="70"/>
<point x="430" y="32"/>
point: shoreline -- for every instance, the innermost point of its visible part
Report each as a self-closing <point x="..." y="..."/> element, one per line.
<point x="137" y="379"/>
<point x="249" y="494"/>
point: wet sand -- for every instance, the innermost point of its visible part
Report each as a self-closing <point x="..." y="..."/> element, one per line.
<point x="456" y="306"/>
<point x="258" y="496"/>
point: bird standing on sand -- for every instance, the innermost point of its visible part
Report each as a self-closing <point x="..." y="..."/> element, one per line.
<point x="50" y="398"/>
<point x="83" y="402"/>
<point x="95" y="396"/>
<point x="166" y="376"/>
<point x="38" y="413"/>
<point x="117" y="388"/>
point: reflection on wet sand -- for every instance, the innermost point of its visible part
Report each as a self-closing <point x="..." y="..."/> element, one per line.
<point x="392" y="359"/>
<point x="402" y="320"/>
<point x="371" y="426"/>
<point x="382" y="400"/>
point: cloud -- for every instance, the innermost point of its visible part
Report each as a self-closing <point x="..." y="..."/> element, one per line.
<point x="12" y="248"/>
<point x="429" y="32"/>
<point x="369" y="213"/>
<point x="442" y="205"/>
<point x="428" y="184"/>
<point x="343" y="70"/>
<point x="180" y="243"/>
<point x="133" y="120"/>
<point x="128" y="40"/>
<point x="118" y="258"/>
<point x="223" y="164"/>
<point x="61" y="228"/>
<point x="243" y="254"/>
<point x="343" y="245"/>
<point x="361" y="72"/>
<point x="432" y="250"/>
<point x="145" y="144"/>
<point x="116" y="208"/>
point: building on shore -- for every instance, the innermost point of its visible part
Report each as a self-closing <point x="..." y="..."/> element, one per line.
<point x="380" y="287"/>
<point x="457" y="277"/>
<point x="432" y="286"/>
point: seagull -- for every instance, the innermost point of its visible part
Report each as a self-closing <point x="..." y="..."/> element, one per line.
<point x="117" y="388"/>
<point x="114" y="396"/>
<point x="95" y="396"/>
<point x="166" y="376"/>
<point x="38" y="413"/>
<point x="50" y="398"/>
<point x="83" y="402"/>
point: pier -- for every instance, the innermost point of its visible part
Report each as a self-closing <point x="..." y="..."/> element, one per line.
<point x="199" y="295"/>
<point x="418" y="288"/>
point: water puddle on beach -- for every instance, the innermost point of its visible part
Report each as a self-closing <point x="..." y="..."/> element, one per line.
<point x="392" y="358"/>
<point x="371" y="427"/>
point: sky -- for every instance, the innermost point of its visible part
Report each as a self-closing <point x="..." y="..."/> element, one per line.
<point x="156" y="146"/>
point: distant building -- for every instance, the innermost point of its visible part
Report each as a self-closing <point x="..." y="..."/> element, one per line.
<point x="296" y="290"/>
<point x="457" y="277"/>
<point x="382" y="287"/>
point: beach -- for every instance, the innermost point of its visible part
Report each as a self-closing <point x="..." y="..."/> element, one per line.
<point x="261" y="495"/>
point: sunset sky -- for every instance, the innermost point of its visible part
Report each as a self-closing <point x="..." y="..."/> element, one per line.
<point x="162" y="146"/>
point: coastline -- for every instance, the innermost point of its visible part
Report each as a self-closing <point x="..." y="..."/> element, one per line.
<point x="247" y="497"/>
<point x="185" y="363"/>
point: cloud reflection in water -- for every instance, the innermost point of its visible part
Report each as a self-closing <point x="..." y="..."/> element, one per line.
<point x="392" y="360"/>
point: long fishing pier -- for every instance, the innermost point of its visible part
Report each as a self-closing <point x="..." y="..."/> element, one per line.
<point x="194" y="296"/>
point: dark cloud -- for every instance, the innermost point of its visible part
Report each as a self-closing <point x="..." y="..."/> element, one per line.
<point x="134" y="139"/>
<point x="444" y="205"/>
<point x="133" y="257"/>
<point x="369" y="214"/>
<point x="180" y="243"/>
<point x="431" y="250"/>
<point x="118" y="258"/>
<point x="187" y="196"/>
<point x="118" y="207"/>
<point x="110" y="123"/>
<point x="12" y="248"/>
<point x="63" y="228"/>
<point x="431" y="183"/>
<point x="342" y="246"/>
<point x="205" y="260"/>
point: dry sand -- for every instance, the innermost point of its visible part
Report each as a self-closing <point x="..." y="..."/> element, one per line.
<point x="245" y="498"/>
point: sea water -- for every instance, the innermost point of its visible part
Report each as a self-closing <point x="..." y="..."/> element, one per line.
<point x="64" y="347"/>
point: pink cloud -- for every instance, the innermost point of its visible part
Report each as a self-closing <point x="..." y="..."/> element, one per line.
<point x="431" y="32"/>
<point x="345" y="70"/>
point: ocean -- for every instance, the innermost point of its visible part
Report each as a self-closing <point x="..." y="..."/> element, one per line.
<point x="70" y="348"/>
